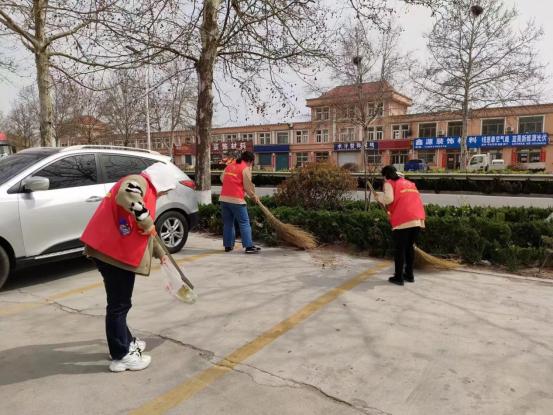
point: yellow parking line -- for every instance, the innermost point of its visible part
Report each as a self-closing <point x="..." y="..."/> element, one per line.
<point x="186" y="390"/>
<point x="18" y="308"/>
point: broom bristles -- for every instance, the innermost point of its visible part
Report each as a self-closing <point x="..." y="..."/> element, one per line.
<point x="425" y="260"/>
<point x="289" y="233"/>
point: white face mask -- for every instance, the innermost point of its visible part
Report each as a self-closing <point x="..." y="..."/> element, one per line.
<point x="161" y="176"/>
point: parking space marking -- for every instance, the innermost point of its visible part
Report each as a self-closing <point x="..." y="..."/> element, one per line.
<point x="19" y="308"/>
<point x="202" y="380"/>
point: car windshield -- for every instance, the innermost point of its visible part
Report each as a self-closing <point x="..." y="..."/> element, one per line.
<point x="12" y="165"/>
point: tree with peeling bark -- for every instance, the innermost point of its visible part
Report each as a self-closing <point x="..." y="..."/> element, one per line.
<point x="51" y="30"/>
<point x="480" y="60"/>
<point x="248" y="43"/>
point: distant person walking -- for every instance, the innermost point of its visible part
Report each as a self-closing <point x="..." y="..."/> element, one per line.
<point x="407" y="216"/>
<point x="237" y="183"/>
<point x="120" y="239"/>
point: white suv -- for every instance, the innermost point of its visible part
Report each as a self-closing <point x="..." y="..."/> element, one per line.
<point x="48" y="195"/>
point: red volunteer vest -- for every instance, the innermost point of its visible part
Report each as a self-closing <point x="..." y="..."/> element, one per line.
<point x="233" y="180"/>
<point x="114" y="232"/>
<point x="407" y="204"/>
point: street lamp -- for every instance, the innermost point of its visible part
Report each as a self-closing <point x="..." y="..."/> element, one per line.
<point x="147" y="96"/>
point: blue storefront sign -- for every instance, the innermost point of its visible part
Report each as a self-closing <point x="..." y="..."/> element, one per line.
<point x="433" y="143"/>
<point x="483" y="141"/>
<point x="272" y="148"/>
<point x="355" y="146"/>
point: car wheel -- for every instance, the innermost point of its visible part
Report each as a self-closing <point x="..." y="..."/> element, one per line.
<point x="172" y="228"/>
<point x="4" y="266"/>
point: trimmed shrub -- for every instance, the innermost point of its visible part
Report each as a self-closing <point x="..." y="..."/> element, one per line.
<point x="316" y="186"/>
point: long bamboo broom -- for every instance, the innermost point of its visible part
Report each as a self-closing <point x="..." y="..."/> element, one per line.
<point x="289" y="233"/>
<point x="423" y="259"/>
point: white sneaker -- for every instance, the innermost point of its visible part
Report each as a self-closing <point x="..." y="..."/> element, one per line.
<point x="134" y="360"/>
<point x="135" y="344"/>
<point x="138" y="344"/>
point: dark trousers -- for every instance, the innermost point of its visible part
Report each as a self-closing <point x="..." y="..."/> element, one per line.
<point x="119" y="285"/>
<point x="404" y="251"/>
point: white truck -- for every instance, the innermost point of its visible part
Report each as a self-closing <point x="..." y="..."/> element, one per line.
<point x="5" y="147"/>
<point x="484" y="162"/>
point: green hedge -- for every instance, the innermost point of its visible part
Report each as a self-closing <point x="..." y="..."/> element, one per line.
<point x="437" y="185"/>
<point x="505" y="236"/>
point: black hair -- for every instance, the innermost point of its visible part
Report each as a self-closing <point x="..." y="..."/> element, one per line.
<point x="390" y="173"/>
<point x="246" y="156"/>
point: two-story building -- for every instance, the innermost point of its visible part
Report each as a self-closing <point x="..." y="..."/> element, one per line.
<point x="341" y="117"/>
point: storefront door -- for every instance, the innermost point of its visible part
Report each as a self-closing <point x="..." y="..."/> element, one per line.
<point x="453" y="161"/>
<point x="282" y="161"/>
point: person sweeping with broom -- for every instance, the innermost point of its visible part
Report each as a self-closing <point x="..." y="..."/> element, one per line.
<point x="237" y="183"/>
<point x="121" y="239"/>
<point x="407" y="216"/>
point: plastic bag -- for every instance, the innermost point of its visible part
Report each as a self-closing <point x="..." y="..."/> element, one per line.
<point x="175" y="285"/>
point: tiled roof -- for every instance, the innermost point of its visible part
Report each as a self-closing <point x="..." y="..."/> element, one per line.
<point x="348" y="90"/>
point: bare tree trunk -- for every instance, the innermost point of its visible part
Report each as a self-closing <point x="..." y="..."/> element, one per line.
<point x="464" y="133"/>
<point x="204" y="112"/>
<point x="364" y="152"/>
<point x="44" y="82"/>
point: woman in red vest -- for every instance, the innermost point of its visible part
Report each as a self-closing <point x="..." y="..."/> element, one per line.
<point x="237" y="182"/>
<point x="119" y="238"/>
<point x="406" y="214"/>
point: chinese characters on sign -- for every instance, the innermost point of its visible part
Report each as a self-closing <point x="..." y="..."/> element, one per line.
<point x="235" y="146"/>
<point x="355" y="146"/>
<point x="479" y="141"/>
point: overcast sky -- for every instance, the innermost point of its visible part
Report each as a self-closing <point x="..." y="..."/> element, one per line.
<point x="415" y="20"/>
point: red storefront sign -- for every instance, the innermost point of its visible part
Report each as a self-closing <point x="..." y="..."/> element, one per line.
<point x="394" y="144"/>
<point x="225" y="147"/>
<point x="184" y="149"/>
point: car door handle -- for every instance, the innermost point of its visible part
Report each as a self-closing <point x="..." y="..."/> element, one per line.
<point x="93" y="199"/>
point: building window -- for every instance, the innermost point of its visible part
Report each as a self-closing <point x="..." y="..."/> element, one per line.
<point x="347" y="113"/>
<point x="302" y="137"/>
<point x="374" y="157"/>
<point x="376" y="133"/>
<point x="321" y="156"/>
<point x="283" y="137"/>
<point x="347" y="134"/>
<point x="427" y="129"/>
<point x="231" y="137"/>
<point x="530" y="125"/>
<point x="495" y="126"/>
<point x="375" y="109"/>
<point x="321" y="136"/>
<point x="455" y="128"/>
<point x="265" y="159"/>
<point x="322" y="114"/>
<point x="301" y="159"/>
<point x="400" y="132"/>
<point x="264" y="138"/>
<point x="429" y="156"/>
<point x="399" y="157"/>
<point x="532" y="155"/>
<point x="496" y="155"/>
<point x="247" y="136"/>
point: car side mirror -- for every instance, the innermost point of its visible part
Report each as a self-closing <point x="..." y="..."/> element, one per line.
<point x="35" y="184"/>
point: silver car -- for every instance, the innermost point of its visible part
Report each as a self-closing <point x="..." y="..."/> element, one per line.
<point x="48" y="195"/>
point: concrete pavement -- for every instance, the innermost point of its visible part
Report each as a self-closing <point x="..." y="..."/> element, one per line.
<point x="283" y="332"/>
